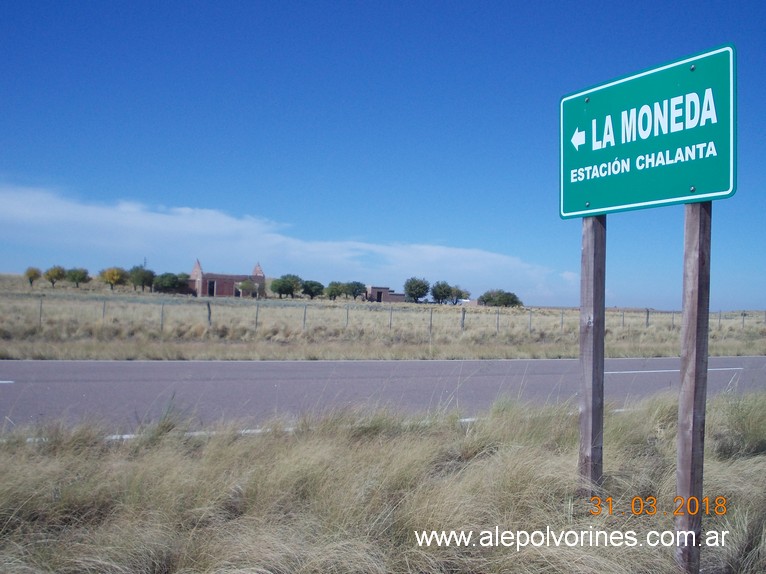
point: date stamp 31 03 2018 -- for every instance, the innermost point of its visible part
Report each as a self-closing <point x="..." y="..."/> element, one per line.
<point x="647" y="506"/>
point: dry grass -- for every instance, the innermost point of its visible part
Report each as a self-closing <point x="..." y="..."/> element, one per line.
<point x="345" y="493"/>
<point x="67" y="323"/>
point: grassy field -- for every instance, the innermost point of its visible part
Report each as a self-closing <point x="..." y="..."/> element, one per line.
<point x="95" y="323"/>
<point x="347" y="493"/>
<point x="350" y="492"/>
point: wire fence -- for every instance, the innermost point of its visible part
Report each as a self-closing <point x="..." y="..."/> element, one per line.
<point x="173" y="315"/>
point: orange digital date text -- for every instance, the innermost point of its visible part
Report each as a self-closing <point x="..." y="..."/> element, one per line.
<point x="647" y="506"/>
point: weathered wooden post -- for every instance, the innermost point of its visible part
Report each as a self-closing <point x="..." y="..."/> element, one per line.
<point x="430" y="324"/>
<point x="530" y="320"/>
<point x="592" y="322"/>
<point x="694" y="363"/>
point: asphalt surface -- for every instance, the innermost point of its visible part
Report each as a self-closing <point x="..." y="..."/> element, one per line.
<point x="125" y="394"/>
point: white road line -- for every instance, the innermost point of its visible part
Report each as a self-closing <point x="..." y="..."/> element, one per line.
<point x="6" y="382"/>
<point x="641" y="372"/>
<point x="669" y="371"/>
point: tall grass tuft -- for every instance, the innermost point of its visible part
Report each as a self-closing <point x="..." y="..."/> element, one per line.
<point x="741" y="430"/>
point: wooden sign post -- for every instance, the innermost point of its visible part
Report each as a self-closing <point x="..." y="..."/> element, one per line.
<point x="592" y="323"/>
<point x="694" y="363"/>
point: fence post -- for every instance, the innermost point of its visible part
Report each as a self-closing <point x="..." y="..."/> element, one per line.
<point x="40" y="314"/>
<point x="647" y="318"/>
<point x="162" y="317"/>
<point x="622" y="325"/>
<point x="462" y="319"/>
<point x="209" y="315"/>
<point x="257" y="310"/>
<point x="530" y="320"/>
<point x="347" y="316"/>
<point x="390" y="317"/>
<point x="497" y="322"/>
<point x="103" y="312"/>
<point x="431" y="324"/>
<point x="305" y="311"/>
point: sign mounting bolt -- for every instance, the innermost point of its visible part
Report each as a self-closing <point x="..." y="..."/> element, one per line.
<point x="692" y="67"/>
<point x="692" y="189"/>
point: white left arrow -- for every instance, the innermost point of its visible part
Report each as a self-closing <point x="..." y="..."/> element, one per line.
<point x="578" y="138"/>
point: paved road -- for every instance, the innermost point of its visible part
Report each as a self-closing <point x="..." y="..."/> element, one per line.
<point x="126" y="393"/>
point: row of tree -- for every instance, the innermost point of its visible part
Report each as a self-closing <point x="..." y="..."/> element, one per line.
<point x="415" y="289"/>
<point x="291" y="285"/>
<point x="441" y="292"/>
<point x="138" y="276"/>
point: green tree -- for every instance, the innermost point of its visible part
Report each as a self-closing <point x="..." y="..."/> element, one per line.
<point x="334" y="290"/>
<point x="276" y="287"/>
<point x="312" y="288"/>
<point x="287" y="285"/>
<point x="78" y="275"/>
<point x="113" y="276"/>
<point x="500" y="298"/>
<point x="355" y="289"/>
<point x="140" y="276"/>
<point x="55" y="274"/>
<point x="246" y="288"/>
<point x="458" y="294"/>
<point x="166" y="283"/>
<point x="183" y="282"/>
<point x="415" y="289"/>
<point x="32" y="274"/>
<point x="441" y="292"/>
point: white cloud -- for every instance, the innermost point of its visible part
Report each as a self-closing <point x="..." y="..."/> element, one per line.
<point x="570" y="277"/>
<point x="44" y="227"/>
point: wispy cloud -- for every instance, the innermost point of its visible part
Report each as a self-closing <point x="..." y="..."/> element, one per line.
<point x="43" y="227"/>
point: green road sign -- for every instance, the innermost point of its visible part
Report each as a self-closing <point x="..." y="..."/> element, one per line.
<point x="663" y="136"/>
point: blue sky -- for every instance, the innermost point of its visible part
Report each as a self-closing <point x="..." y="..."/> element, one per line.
<point x="364" y="141"/>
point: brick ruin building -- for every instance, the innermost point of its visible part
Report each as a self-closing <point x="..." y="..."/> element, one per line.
<point x="384" y="295"/>
<point x="220" y="285"/>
